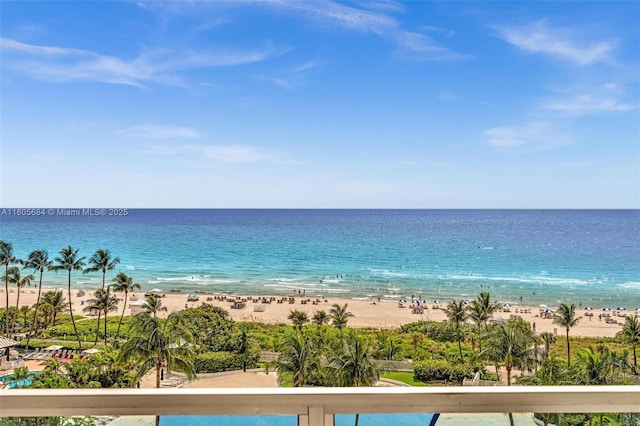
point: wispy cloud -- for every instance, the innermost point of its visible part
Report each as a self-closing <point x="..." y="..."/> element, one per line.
<point x="587" y="104"/>
<point x="278" y="81"/>
<point x="158" y="131"/>
<point x="587" y="100"/>
<point x="564" y="43"/>
<point x="161" y="66"/>
<point x="367" y="17"/>
<point x="534" y="136"/>
<point x="226" y="154"/>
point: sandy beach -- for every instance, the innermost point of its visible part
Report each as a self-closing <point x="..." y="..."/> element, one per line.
<point x="367" y="313"/>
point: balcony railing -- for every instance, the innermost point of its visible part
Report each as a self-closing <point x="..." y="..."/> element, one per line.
<point x="316" y="406"/>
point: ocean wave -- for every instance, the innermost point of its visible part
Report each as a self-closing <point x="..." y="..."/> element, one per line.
<point x="387" y="273"/>
<point x="631" y="285"/>
<point x="538" y="279"/>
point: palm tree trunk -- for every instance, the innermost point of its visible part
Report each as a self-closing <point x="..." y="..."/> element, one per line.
<point x="35" y="315"/>
<point x="121" y="316"/>
<point x="95" y="342"/>
<point x="459" y="345"/>
<point x="105" y="328"/>
<point x="73" y="321"/>
<point x="6" y="294"/>
<point x="635" y="360"/>
<point x="13" y="319"/>
<point x="100" y="313"/>
<point x="568" y="350"/>
<point x="509" y="384"/>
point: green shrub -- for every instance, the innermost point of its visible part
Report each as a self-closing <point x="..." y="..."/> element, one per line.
<point x="215" y="362"/>
<point x="441" y="370"/>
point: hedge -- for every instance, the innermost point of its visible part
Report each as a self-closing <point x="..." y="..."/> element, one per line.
<point x="441" y="370"/>
<point x="215" y="362"/>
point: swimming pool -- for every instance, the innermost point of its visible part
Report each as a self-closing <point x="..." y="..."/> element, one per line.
<point x="21" y="383"/>
<point x="340" y="420"/>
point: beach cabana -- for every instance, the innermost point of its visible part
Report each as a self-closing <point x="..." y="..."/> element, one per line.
<point x="7" y="344"/>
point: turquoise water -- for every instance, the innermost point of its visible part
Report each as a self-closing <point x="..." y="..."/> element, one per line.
<point x="587" y="256"/>
<point x="340" y="420"/>
<point x="21" y="383"/>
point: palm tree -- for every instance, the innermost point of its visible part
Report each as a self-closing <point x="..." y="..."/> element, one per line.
<point x="631" y="334"/>
<point x="102" y="261"/>
<point x="340" y="316"/>
<point x="298" y="359"/>
<point x="104" y="302"/>
<point x="123" y="282"/>
<point x="548" y="339"/>
<point x="457" y="314"/>
<point x="22" y="282"/>
<point x="594" y="366"/>
<point x="320" y="318"/>
<point x="157" y="343"/>
<point x="68" y="260"/>
<point x="480" y="312"/>
<point x="55" y="299"/>
<point x="12" y="276"/>
<point x="355" y="365"/>
<point x="37" y="260"/>
<point x="512" y="346"/>
<point x="154" y="305"/>
<point x="19" y="378"/>
<point x="6" y="258"/>
<point x="298" y="319"/>
<point x="565" y="316"/>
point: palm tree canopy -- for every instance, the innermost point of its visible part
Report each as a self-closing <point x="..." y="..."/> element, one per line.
<point x="298" y="359"/>
<point x="154" y="305"/>
<point x="320" y="317"/>
<point x="298" y="318"/>
<point x="631" y="330"/>
<point x="123" y="282"/>
<point x="38" y="260"/>
<point x="101" y="260"/>
<point x="6" y="253"/>
<point x="355" y="363"/>
<point x="159" y="343"/>
<point x="482" y="308"/>
<point x="456" y="312"/>
<point x="565" y="316"/>
<point x="339" y="315"/>
<point x="68" y="260"/>
<point x="103" y="301"/>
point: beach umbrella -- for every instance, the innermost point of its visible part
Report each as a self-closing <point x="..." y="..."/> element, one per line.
<point x="588" y="308"/>
<point x="436" y="301"/>
<point x="402" y="300"/>
<point x="637" y="309"/>
<point x="506" y="305"/>
<point x="621" y="308"/>
<point x="548" y="311"/>
<point x="424" y="301"/>
<point x="542" y="306"/>
<point x="606" y="309"/>
<point x="53" y="348"/>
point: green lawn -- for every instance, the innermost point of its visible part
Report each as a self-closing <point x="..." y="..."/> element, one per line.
<point x="402" y="376"/>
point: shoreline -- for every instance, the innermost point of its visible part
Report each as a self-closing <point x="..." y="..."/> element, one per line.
<point x="367" y="313"/>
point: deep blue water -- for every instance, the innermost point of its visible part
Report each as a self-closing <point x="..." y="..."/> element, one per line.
<point x="588" y="256"/>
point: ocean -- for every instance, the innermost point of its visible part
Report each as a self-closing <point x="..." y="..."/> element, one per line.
<point x="591" y="257"/>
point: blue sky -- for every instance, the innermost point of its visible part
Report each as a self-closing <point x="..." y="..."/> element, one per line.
<point x="319" y="104"/>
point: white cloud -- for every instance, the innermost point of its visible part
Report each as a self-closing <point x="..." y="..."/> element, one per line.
<point x="587" y="104"/>
<point x="536" y="135"/>
<point x="59" y="64"/>
<point x="158" y="131"/>
<point x="539" y="37"/>
<point x="278" y="81"/>
<point x="226" y="154"/>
